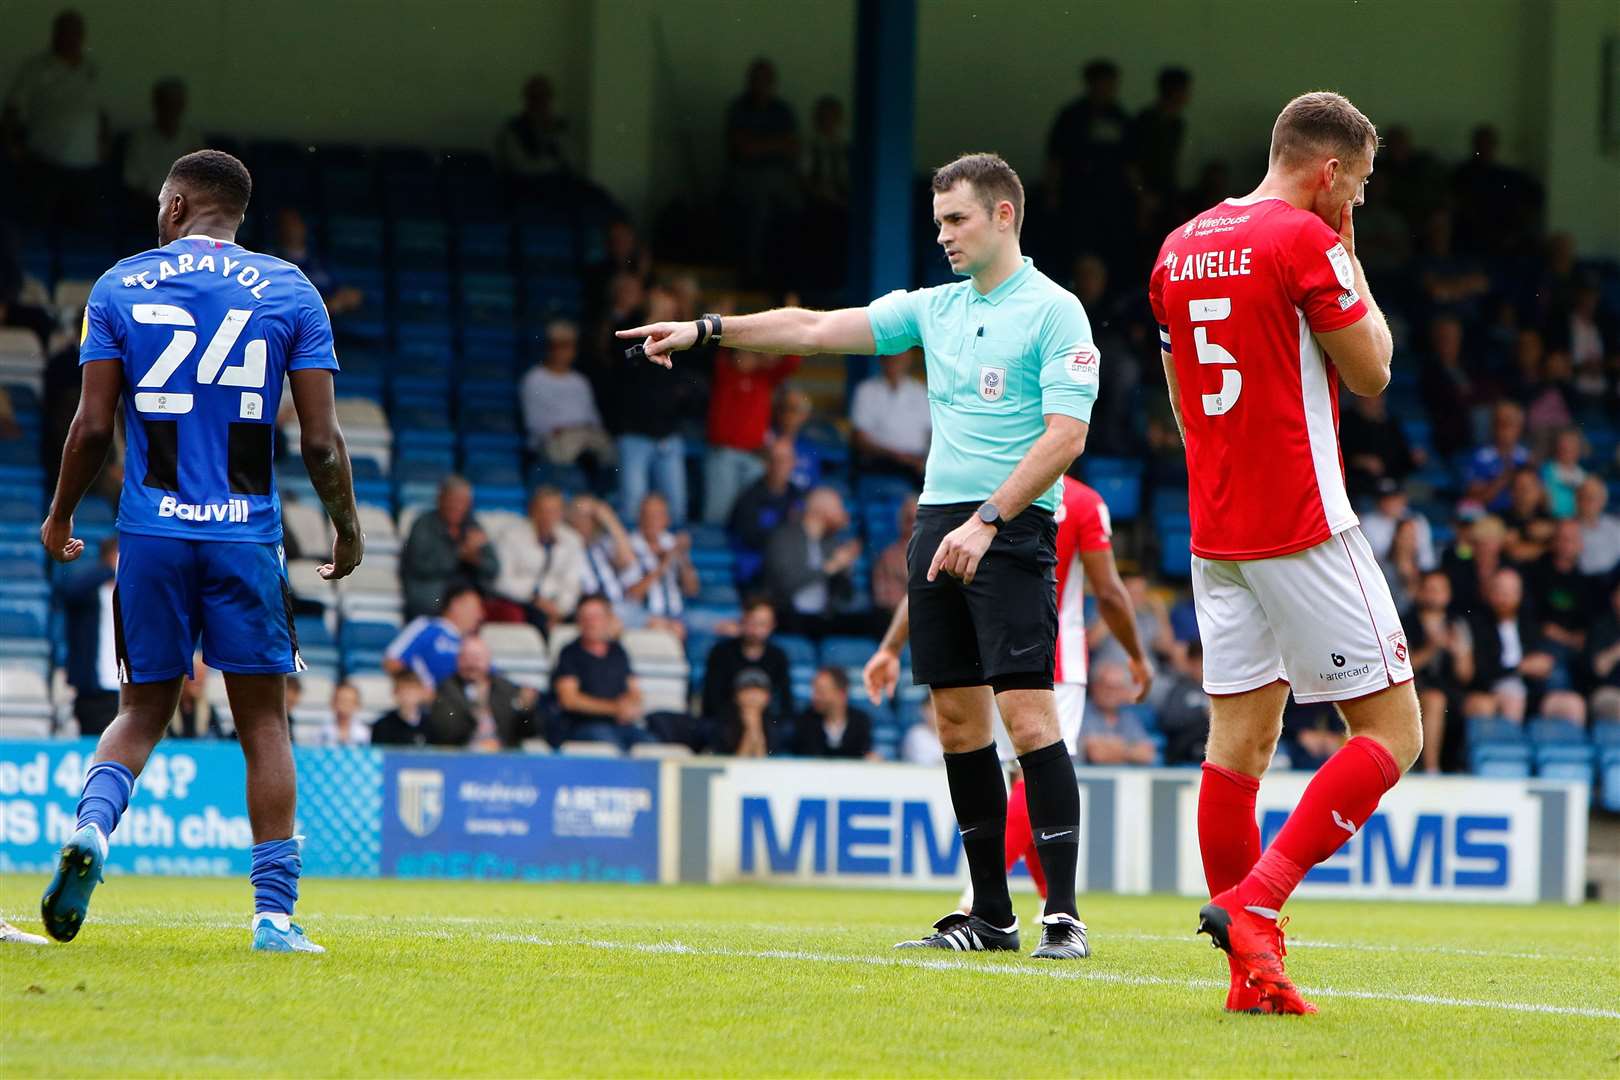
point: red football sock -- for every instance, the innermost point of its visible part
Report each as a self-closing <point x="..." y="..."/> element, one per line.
<point x="1337" y="802"/>
<point x="1021" y="837"/>
<point x="1228" y="835"/>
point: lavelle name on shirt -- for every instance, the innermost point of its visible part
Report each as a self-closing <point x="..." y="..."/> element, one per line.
<point x="248" y="277"/>
<point x="1233" y="262"/>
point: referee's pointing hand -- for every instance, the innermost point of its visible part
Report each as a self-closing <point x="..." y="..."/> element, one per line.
<point x="661" y="339"/>
<point x="959" y="553"/>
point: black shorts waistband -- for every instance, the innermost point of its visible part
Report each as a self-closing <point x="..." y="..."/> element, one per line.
<point x="945" y="509"/>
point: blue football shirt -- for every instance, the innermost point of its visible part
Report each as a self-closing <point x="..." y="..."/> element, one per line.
<point x="205" y="330"/>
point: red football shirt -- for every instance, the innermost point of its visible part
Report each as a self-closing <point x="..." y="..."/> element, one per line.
<point x="1238" y="292"/>
<point x="1083" y="525"/>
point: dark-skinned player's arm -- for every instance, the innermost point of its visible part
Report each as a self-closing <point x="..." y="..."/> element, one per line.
<point x="326" y="456"/>
<point x="89" y="438"/>
<point x="1114" y="605"/>
<point x="1063" y="440"/>
<point x="882" y="671"/>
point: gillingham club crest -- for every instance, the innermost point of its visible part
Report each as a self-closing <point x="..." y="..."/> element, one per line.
<point x="421" y="800"/>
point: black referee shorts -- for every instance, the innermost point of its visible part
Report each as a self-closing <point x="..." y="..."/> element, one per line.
<point x="1003" y="624"/>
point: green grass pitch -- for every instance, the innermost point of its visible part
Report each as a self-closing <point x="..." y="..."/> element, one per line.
<point x="476" y="979"/>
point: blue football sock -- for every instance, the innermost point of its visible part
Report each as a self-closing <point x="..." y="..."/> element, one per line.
<point x="106" y="795"/>
<point x="276" y="866"/>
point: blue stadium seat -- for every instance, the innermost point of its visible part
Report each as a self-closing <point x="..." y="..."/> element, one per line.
<point x="719" y="593"/>
<point x="1175" y="553"/>
<point x="547" y="243"/>
<point x="707" y="536"/>
<point x="484" y="246"/>
<point x="1121" y="492"/>
<point x="1566" y="761"/>
<point x="801" y="651"/>
<point x="353" y="238"/>
<point x="1606" y="734"/>
<point x="1494" y="729"/>
<point x="1609" y="777"/>
<point x="1543" y="731"/>
<point x="1500" y="759"/>
<point x="846" y="652"/>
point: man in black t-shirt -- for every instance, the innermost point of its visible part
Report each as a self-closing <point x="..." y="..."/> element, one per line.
<point x="753" y="648"/>
<point x="600" y="698"/>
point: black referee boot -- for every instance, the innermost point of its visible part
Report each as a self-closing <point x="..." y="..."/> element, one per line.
<point x="967" y="933"/>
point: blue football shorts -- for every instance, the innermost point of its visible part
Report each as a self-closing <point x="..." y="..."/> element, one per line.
<point x="233" y="597"/>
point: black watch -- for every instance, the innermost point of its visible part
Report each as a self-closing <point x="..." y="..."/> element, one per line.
<point x="990" y="515"/>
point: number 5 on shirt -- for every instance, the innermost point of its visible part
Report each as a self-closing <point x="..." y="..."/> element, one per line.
<point x="1215" y="310"/>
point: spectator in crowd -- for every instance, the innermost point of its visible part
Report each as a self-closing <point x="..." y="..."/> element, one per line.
<point x="1603" y="665"/>
<point x="15" y="308"/>
<point x="1156" y="139"/>
<point x="1491" y="468"/>
<point x="890" y="419"/>
<point x="153" y="149"/>
<point x="599" y="696"/>
<point x="1529" y="525"/>
<point x="739" y="419"/>
<point x="1184" y="716"/>
<point x="1566" y="600"/>
<point x="1447" y="386"/>
<point x="1112" y="734"/>
<point x="446" y="548"/>
<point x="762" y="139"/>
<point x="1086" y="153"/>
<point x="1562" y="474"/>
<point x="1600" y="532"/>
<point x="1410" y="178"/>
<point x="1551" y="401"/>
<point x="86" y="591"/>
<point x="293" y="244"/>
<point x="745" y="725"/>
<point x="1479" y="551"/>
<point x="751" y="650"/>
<point x="346" y="728"/>
<point x="55" y="126"/>
<point x="542" y="567"/>
<point x="652" y="403"/>
<point x="826" y="174"/>
<point x="429" y="645"/>
<point x="559" y="407"/>
<point x="889" y="573"/>
<point x="788" y="420"/>
<point x="531" y="148"/>
<point x="608" y="557"/>
<point x="1442" y="654"/>
<point x="1511" y="662"/>
<point x="1392" y="508"/>
<point x="1452" y="282"/>
<point x="195" y="718"/>
<point x="808" y="573"/>
<point x="831" y="727"/>
<point x="920" y="745"/>
<point x="479" y="708"/>
<point x="1402" y="564"/>
<point x="1312" y="733"/>
<point x="406" y="723"/>
<point x="1497" y="205"/>
<point x="1153" y="630"/>
<point x="663" y="576"/>
<point x="1587" y="337"/>
<point x="761" y="509"/>
<point x="1374" y="446"/>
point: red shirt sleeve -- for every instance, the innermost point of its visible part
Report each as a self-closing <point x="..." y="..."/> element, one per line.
<point x="1320" y="277"/>
<point x="1095" y="525"/>
<point x="1156" y="290"/>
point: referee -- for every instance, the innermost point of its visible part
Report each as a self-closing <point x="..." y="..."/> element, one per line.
<point x="1012" y="374"/>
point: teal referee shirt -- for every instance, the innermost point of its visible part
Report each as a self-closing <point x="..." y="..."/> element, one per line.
<point x="998" y="364"/>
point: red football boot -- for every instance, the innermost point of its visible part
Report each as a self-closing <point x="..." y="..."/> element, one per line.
<point x="1255" y="943"/>
<point x="1243" y="998"/>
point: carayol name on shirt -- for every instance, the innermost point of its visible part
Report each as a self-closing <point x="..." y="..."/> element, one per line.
<point x="248" y="277"/>
<point x="232" y="510"/>
<point x="1233" y="262"/>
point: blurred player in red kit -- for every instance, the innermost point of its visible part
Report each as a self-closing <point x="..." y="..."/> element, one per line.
<point x="1263" y="309"/>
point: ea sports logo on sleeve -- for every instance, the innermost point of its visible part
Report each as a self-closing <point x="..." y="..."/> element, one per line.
<point x="1084" y="366"/>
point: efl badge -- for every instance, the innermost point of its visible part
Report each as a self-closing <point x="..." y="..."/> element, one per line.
<point x="992" y="383"/>
<point x="1340" y="259"/>
<point x="1085" y="365"/>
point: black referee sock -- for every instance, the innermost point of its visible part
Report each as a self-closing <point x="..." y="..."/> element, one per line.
<point x="1054" y="817"/>
<point x="979" y="796"/>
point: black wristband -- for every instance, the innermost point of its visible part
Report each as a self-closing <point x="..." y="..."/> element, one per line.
<point x="714" y="325"/>
<point x="702" y="332"/>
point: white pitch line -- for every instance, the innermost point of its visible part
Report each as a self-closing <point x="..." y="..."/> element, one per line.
<point x="1076" y="974"/>
<point x="157" y="918"/>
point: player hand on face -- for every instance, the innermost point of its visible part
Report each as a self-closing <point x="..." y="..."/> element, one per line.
<point x="662" y="338"/>
<point x="880" y="675"/>
<point x="1347" y="226"/>
<point x="59" y="541"/>
<point x="346" y="555"/>
<point x="959" y="553"/>
<point x="1142" y="675"/>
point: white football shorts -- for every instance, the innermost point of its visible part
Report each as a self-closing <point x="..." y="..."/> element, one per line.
<point x="1322" y="619"/>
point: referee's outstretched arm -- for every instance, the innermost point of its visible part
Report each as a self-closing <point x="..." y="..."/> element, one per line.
<point x="794" y="331"/>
